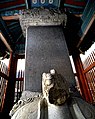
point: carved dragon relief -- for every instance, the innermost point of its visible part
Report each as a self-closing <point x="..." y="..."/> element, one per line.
<point x="41" y="17"/>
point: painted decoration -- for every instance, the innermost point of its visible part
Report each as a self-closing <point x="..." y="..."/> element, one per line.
<point x="45" y="3"/>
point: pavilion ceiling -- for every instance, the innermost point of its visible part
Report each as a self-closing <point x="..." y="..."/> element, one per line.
<point x="11" y="29"/>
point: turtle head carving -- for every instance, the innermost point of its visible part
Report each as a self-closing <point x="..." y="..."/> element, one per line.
<point x="55" y="88"/>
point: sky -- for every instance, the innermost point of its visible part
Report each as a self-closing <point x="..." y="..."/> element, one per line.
<point x="92" y="48"/>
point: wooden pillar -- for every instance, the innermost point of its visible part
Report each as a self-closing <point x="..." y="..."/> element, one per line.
<point x="9" y="97"/>
<point x="82" y="78"/>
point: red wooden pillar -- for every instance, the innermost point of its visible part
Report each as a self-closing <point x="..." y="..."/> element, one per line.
<point x="82" y="78"/>
<point x="9" y="97"/>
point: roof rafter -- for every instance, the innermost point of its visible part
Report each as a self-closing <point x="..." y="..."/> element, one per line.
<point x="15" y="17"/>
<point x="85" y="32"/>
<point x="5" y="42"/>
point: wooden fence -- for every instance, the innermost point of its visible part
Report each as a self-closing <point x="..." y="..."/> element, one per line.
<point x="89" y="71"/>
<point x="3" y="83"/>
<point x="4" y="76"/>
<point x="19" y="85"/>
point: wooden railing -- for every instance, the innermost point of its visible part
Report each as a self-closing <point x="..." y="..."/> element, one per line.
<point x="89" y="71"/>
<point x="19" y="85"/>
<point x="3" y="83"/>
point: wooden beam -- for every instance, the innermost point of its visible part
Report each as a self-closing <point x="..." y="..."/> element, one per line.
<point x="16" y="5"/>
<point x="78" y="15"/>
<point x="3" y="75"/>
<point x="15" y="17"/>
<point x="89" y="68"/>
<point x="82" y="78"/>
<point x="19" y="79"/>
<point x="21" y="56"/>
<point x="5" y="42"/>
<point x="9" y="97"/>
<point x="85" y="32"/>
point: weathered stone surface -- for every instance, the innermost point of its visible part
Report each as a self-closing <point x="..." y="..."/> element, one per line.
<point x="55" y="88"/>
<point x="40" y="106"/>
<point x="46" y="49"/>
<point x="80" y="109"/>
<point x="26" y="98"/>
<point x="41" y="17"/>
<point x="77" y="109"/>
<point x="59" y="112"/>
<point x="28" y="111"/>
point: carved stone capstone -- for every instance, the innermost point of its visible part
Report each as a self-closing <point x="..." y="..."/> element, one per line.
<point x="41" y="17"/>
